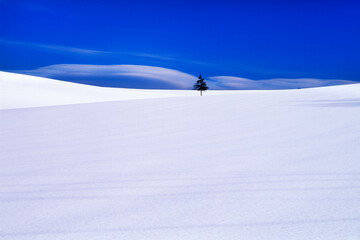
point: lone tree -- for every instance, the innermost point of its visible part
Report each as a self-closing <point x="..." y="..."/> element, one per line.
<point x="200" y="85"/>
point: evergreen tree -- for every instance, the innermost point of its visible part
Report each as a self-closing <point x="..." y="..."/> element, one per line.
<point x="200" y="85"/>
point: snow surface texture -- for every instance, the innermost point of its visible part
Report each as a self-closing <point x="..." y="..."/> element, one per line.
<point x="19" y="91"/>
<point x="254" y="165"/>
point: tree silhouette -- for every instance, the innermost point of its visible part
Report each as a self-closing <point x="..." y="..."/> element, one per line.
<point x="200" y="85"/>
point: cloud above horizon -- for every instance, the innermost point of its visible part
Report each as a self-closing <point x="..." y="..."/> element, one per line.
<point x="84" y="51"/>
<point x="237" y="83"/>
<point x="125" y="75"/>
<point x="47" y="47"/>
<point x="142" y="76"/>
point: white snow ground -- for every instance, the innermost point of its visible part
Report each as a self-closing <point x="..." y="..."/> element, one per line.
<point x="19" y="91"/>
<point x="254" y="165"/>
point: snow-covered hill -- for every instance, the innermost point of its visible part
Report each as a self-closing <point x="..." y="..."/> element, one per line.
<point x="18" y="91"/>
<point x="265" y="165"/>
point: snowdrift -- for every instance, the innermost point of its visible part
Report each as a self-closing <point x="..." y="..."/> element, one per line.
<point x="255" y="165"/>
<point x="19" y="91"/>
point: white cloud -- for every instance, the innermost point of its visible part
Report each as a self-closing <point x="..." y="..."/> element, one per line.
<point x="146" y="55"/>
<point x="166" y="76"/>
<point x="140" y="76"/>
<point x="47" y="47"/>
<point x="228" y="82"/>
<point x="67" y="49"/>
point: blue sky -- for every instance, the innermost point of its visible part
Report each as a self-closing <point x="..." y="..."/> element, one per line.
<point x="231" y="43"/>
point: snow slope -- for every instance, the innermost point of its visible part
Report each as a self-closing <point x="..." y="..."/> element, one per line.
<point x="254" y="165"/>
<point x="18" y="91"/>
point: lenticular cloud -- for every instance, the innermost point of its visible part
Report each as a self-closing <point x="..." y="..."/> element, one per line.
<point x="236" y="83"/>
<point x="141" y="76"/>
<point x="165" y="76"/>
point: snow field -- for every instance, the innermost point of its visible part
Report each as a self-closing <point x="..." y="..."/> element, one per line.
<point x="266" y="165"/>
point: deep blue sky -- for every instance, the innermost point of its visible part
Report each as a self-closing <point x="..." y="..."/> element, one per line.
<point x="250" y="39"/>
